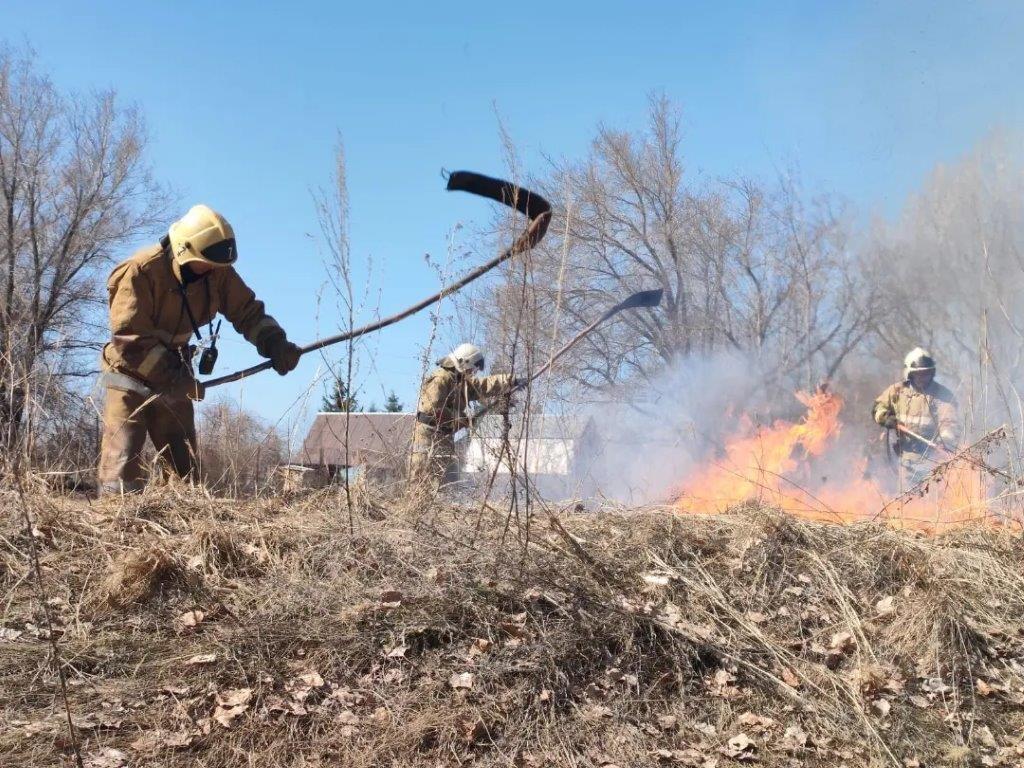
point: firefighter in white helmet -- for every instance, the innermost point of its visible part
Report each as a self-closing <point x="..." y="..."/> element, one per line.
<point x="441" y="411"/>
<point x="159" y="298"/>
<point x="921" y="405"/>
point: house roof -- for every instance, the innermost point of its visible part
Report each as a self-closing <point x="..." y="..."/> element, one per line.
<point x="357" y="438"/>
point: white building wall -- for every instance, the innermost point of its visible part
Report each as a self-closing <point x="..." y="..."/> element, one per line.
<point x="540" y="456"/>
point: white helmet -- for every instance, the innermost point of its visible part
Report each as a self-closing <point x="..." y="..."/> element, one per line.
<point x="465" y="358"/>
<point x="918" y="359"/>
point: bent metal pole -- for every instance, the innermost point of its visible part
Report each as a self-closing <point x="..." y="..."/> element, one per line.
<point x="530" y="204"/>
<point x="649" y="298"/>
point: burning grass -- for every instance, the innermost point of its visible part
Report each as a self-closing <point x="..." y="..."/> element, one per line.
<point x="273" y="633"/>
<point x="801" y="467"/>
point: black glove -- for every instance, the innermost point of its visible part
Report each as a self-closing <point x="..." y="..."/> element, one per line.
<point x="284" y="355"/>
<point x="891" y="422"/>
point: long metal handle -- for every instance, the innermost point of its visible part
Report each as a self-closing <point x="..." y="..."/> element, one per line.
<point x="523" y="200"/>
<point x="649" y="298"/>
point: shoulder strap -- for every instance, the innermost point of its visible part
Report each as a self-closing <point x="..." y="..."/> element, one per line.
<point x="184" y="298"/>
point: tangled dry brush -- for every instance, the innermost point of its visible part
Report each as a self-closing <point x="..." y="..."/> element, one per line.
<point x="203" y="632"/>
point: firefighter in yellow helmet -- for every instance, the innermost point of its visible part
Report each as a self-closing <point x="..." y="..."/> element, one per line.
<point x="159" y="299"/>
<point x="921" y="405"/>
<point x="441" y="412"/>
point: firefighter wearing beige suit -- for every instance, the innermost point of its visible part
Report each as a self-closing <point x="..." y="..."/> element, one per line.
<point x="159" y="298"/>
<point x="441" y="412"/>
<point x="923" y="406"/>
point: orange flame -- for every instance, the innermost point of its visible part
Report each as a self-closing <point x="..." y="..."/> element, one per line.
<point x="776" y="466"/>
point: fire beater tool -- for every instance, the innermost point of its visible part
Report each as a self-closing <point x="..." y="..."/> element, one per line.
<point x="530" y="204"/>
<point x="970" y="459"/>
<point x="638" y="300"/>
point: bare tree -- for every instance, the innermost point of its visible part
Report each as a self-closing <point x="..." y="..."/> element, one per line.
<point x="74" y="188"/>
<point x="745" y="268"/>
<point x="951" y="274"/>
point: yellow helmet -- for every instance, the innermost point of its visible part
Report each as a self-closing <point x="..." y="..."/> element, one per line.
<point x="202" y="234"/>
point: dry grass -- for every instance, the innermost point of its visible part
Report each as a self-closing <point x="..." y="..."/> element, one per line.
<point x="630" y="637"/>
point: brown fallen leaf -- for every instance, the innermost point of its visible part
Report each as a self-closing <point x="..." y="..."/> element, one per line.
<point x="303" y="685"/>
<point x="740" y="747"/>
<point x="461" y="680"/>
<point x="189" y="620"/>
<point x="794" y="738"/>
<point x="108" y="757"/>
<point x="480" y="646"/>
<point x="398" y="652"/>
<point x="231" y="704"/>
<point x="202" y="658"/>
<point x="155" y="741"/>
<point x="667" y="722"/>
<point x="842" y="642"/>
<point x="983" y="688"/>
<point x="707" y="729"/>
<point x="391" y="598"/>
<point x="756" y="722"/>
<point x="881" y="707"/>
<point x="348" y="717"/>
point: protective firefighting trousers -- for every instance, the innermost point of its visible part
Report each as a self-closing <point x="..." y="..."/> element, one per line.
<point x="128" y="417"/>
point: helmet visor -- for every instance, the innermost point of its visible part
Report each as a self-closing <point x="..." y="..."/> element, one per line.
<point x="223" y="252"/>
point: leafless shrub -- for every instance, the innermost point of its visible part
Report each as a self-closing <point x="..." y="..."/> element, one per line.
<point x="238" y="452"/>
<point x="74" y="188"/>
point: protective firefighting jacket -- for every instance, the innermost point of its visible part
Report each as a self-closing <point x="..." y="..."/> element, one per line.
<point x="931" y="413"/>
<point x="445" y="395"/>
<point x="149" y="321"/>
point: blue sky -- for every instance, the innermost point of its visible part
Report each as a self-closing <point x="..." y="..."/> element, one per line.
<point x="244" y="102"/>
